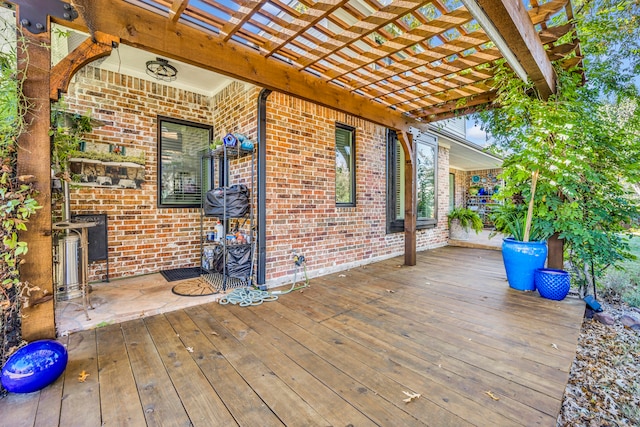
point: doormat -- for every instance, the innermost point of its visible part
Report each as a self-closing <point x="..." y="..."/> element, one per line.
<point x="180" y="273"/>
<point x="194" y="288"/>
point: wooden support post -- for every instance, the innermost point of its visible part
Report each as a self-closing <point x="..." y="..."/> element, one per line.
<point x="34" y="158"/>
<point x="411" y="210"/>
<point x="555" y="255"/>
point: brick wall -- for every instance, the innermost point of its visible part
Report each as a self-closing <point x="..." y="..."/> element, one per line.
<point x="142" y="237"/>
<point x="440" y="233"/>
<point x="301" y="212"/>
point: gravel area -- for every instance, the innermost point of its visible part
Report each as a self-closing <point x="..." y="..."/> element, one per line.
<point x="604" y="384"/>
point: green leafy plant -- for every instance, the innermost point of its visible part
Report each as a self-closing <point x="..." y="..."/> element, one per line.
<point x="17" y="203"/>
<point x="468" y="219"/>
<point x="510" y="219"/>
<point x="583" y="142"/>
<point x="67" y="131"/>
<point x="623" y="281"/>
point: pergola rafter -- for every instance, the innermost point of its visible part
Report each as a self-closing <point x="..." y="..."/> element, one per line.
<point x="177" y="8"/>
<point x="245" y="13"/>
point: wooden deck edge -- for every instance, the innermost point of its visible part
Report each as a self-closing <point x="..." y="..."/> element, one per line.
<point x="474" y="245"/>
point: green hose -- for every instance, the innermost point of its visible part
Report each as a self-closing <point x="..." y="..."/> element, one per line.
<point x="245" y="297"/>
<point x="293" y="285"/>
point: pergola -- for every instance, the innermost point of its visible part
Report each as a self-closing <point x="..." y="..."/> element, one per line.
<point x="400" y="64"/>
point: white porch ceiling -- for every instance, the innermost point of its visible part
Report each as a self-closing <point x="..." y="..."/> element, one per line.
<point x="465" y="155"/>
<point x="131" y="61"/>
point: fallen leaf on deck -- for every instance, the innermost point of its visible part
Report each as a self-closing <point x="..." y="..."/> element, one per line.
<point x="491" y="395"/>
<point x="83" y="376"/>
<point x="190" y="349"/>
<point x="399" y="265"/>
<point x="342" y="275"/>
<point x="391" y="291"/>
<point x="554" y="346"/>
<point x="411" y="397"/>
<point x="214" y="333"/>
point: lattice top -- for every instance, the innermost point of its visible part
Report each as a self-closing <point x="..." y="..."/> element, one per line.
<point x="421" y="58"/>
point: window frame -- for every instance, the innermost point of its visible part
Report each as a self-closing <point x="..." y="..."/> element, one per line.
<point x="352" y="167"/>
<point x="198" y="172"/>
<point x="396" y="225"/>
<point x="452" y="190"/>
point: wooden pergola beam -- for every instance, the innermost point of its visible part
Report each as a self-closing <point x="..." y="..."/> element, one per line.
<point x="88" y="51"/>
<point x="514" y="24"/>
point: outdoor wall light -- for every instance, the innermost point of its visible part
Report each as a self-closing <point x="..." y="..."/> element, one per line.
<point x="487" y="25"/>
<point x="161" y="70"/>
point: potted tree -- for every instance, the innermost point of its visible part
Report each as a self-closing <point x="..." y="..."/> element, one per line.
<point x="461" y="221"/>
<point x="524" y="250"/>
<point x="583" y="139"/>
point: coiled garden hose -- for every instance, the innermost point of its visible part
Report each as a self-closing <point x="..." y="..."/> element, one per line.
<point x="245" y="297"/>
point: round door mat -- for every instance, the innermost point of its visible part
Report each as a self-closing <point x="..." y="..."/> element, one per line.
<point x="193" y="288"/>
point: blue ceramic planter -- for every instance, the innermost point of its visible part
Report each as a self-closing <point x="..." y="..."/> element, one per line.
<point x="34" y="366"/>
<point x="521" y="259"/>
<point x="552" y="284"/>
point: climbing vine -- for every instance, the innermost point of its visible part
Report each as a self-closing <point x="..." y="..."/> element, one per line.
<point x="17" y="201"/>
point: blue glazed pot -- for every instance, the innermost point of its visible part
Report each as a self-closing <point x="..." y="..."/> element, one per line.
<point x="552" y="284"/>
<point x="521" y="259"/>
<point x="34" y="366"/>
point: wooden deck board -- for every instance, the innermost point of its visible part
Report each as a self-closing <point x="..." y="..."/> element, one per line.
<point x="458" y="376"/>
<point x="405" y="343"/>
<point x="329" y="404"/>
<point x="360" y="365"/>
<point x="202" y="403"/>
<point x="19" y="410"/>
<point x="340" y="352"/>
<point x="81" y="400"/>
<point x="282" y="400"/>
<point x="241" y="400"/>
<point x="118" y="392"/>
<point x="159" y="399"/>
<point x="48" y="413"/>
<point x="383" y="357"/>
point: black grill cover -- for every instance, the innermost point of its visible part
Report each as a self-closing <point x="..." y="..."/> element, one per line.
<point x="237" y="197"/>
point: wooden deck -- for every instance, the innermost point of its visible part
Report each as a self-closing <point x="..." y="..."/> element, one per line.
<point x="343" y="352"/>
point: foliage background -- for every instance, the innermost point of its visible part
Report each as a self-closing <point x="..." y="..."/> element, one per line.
<point x="16" y="194"/>
<point x="584" y="140"/>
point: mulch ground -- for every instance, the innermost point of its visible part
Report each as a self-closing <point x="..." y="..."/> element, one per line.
<point x="604" y="384"/>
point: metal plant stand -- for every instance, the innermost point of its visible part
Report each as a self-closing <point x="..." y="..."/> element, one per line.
<point x="222" y="279"/>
